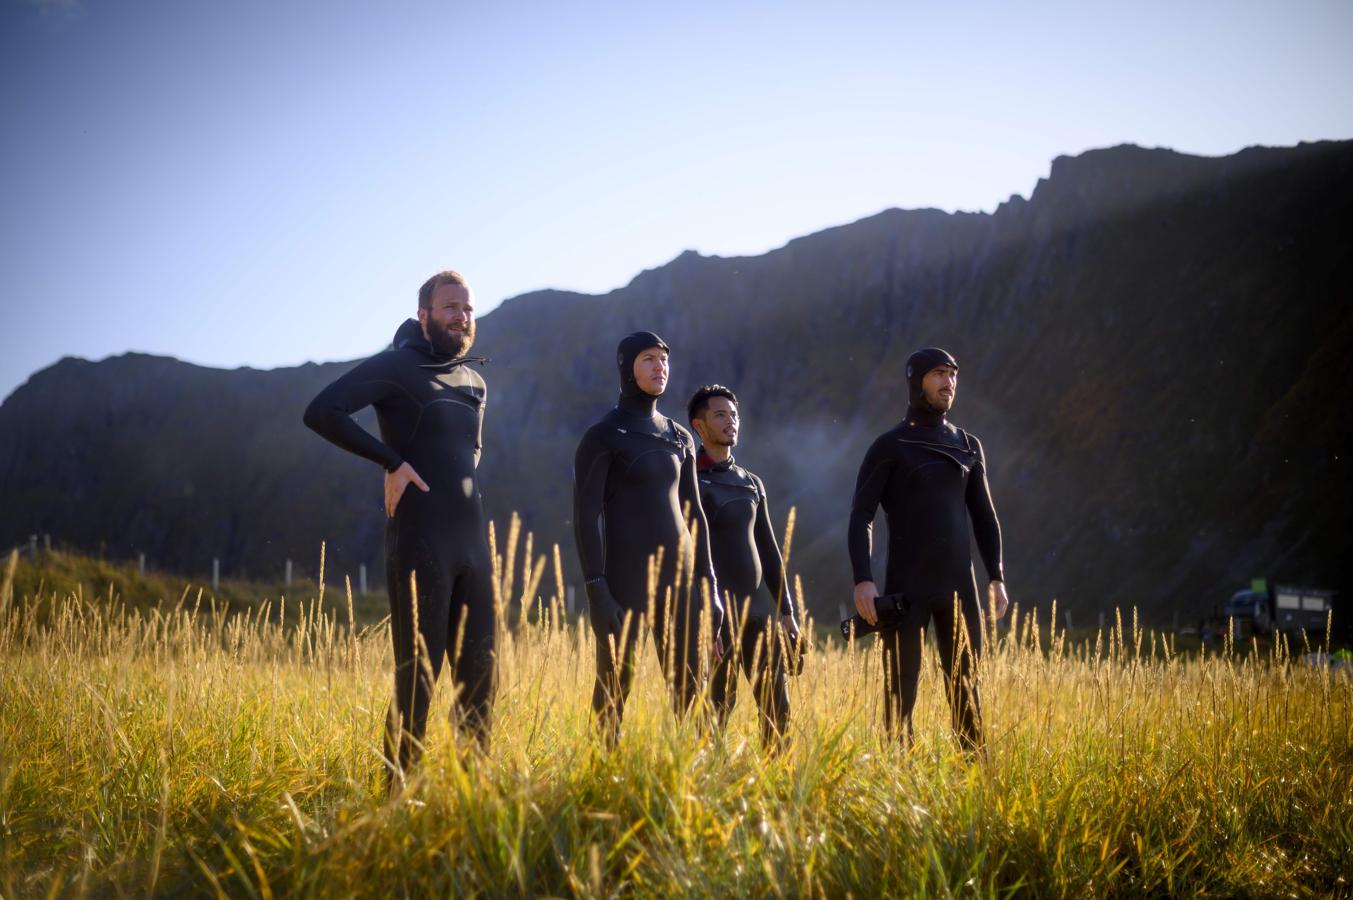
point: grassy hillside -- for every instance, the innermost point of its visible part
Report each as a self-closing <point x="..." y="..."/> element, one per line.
<point x="59" y="573"/>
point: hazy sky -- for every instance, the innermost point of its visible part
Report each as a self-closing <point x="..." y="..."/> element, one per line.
<point x="264" y="183"/>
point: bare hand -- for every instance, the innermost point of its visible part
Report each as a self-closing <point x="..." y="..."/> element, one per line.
<point x="865" y="594"/>
<point x="790" y="626"/>
<point x="997" y="598"/>
<point x="396" y="482"/>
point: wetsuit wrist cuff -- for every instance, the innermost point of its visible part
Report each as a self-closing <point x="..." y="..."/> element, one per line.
<point x="394" y="466"/>
<point x="861" y="579"/>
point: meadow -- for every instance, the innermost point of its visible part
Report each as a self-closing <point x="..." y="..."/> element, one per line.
<point x="198" y="747"/>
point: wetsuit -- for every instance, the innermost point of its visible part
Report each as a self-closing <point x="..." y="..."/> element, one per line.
<point x="746" y="554"/>
<point x="930" y="478"/>
<point x="634" y="472"/>
<point x="430" y="410"/>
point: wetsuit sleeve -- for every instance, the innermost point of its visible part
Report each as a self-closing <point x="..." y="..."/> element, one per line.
<point x="330" y="414"/>
<point x="689" y="492"/>
<point x="590" y="465"/>
<point x="479" y="431"/>
<point x="985" y="526"/>
<point x="772" y="563"/>
<point x="869" y="484"/>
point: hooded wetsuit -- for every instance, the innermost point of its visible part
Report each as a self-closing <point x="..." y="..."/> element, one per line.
<point x="430" y="409"/>
<point x="744" y="548"/>
<point x="930" y="477"/>
<point x="634" y="473"/>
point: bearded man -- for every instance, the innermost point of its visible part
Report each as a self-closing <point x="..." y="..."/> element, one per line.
<point x="430" y="408"/>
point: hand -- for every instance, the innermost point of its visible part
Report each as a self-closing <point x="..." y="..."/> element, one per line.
<point x="605" y="613"/>
<point x="790" y="626"/>
<point x="396" y="482"/>
<point x="865" y="594"/>
<point x="718" y="647"/>
<point x="997" y="598"/>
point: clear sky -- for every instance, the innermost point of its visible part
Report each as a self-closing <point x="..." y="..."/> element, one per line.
<point x="264" y="183"/>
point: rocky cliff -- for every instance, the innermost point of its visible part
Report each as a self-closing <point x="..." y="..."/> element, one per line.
<point x="1154" y="347"/>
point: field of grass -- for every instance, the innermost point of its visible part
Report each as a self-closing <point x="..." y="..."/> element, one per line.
<point x="180" y="749"/>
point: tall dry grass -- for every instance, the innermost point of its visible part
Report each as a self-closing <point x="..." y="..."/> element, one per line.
<point x="187" y="750"/>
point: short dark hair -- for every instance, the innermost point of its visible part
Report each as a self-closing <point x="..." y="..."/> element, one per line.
<point x="700" y="401"/>
<point x="441" y="278"/>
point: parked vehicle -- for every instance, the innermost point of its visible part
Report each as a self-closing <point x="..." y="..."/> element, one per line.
<point x="1266" y="610"/>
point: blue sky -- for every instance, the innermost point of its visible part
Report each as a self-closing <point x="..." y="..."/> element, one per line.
<point x="265" y="183"/>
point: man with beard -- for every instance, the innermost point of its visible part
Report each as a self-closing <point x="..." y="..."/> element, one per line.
<point x="430" y="408"/>
<point x="744" y="548"/>
<point x="634" y="484"/>
<point x="930" y="477"/>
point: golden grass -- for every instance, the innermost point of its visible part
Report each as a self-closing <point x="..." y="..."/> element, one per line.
<point x="182" y="749"/>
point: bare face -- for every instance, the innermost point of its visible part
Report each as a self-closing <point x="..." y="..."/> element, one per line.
<point x="939" y="387"/>
<point x="650" y="371"/>
<point x="718" y="424"/>
<point x="448" y="321"/>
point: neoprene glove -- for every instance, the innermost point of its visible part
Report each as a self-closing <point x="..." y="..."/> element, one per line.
<point x="604" y="612"/>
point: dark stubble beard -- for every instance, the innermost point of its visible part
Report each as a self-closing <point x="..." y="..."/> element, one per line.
<point x="445" y="343"/>
<point x="937" y="404"/>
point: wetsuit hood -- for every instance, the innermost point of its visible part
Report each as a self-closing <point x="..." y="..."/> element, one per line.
<point x="918" y="364"/>
<point x="632" y="399"/>
<point x="409" y="336"/>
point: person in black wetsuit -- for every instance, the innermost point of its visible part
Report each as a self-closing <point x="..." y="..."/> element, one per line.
<point x="745" y="554"/>
<point x="634" y="474"/>
<point x="430" y="407"/>
<point x="931" y="478"/>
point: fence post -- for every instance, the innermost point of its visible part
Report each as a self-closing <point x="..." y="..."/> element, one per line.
<point x="215" y="573"/>
<point x="568" y="599"/>
<point x="33" y="546"/>
<point x="288" y="575"/>
<point x="47" y="543"/>
<point x="141" y="564"/>
<point x="361" y="578"/>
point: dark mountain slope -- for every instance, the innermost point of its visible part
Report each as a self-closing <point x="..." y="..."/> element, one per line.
<point x="1154" y="350"/>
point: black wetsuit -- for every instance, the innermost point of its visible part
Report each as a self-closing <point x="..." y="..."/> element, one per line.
<point x="746" y="554"/>
<point x="431" y="412"/>
<point x="634" y="472"/>
<point x="930" y="478"/>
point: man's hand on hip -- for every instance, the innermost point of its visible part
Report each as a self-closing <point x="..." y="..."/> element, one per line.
<point x="997" y="599"/>
<point x="865" y="594"/>
<point x="395" y="484"/>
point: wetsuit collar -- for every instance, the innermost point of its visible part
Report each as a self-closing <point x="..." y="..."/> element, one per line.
<point x="925" y="417"/>
<point x="409" y="336"/>
<point x="638" y="405"/>
<point x="706" y="463"/>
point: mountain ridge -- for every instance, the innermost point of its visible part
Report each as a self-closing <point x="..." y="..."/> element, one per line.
<point x="1122" y="263"/>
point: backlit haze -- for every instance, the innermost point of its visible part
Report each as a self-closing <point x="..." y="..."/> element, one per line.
<point x="268" y="183"/>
